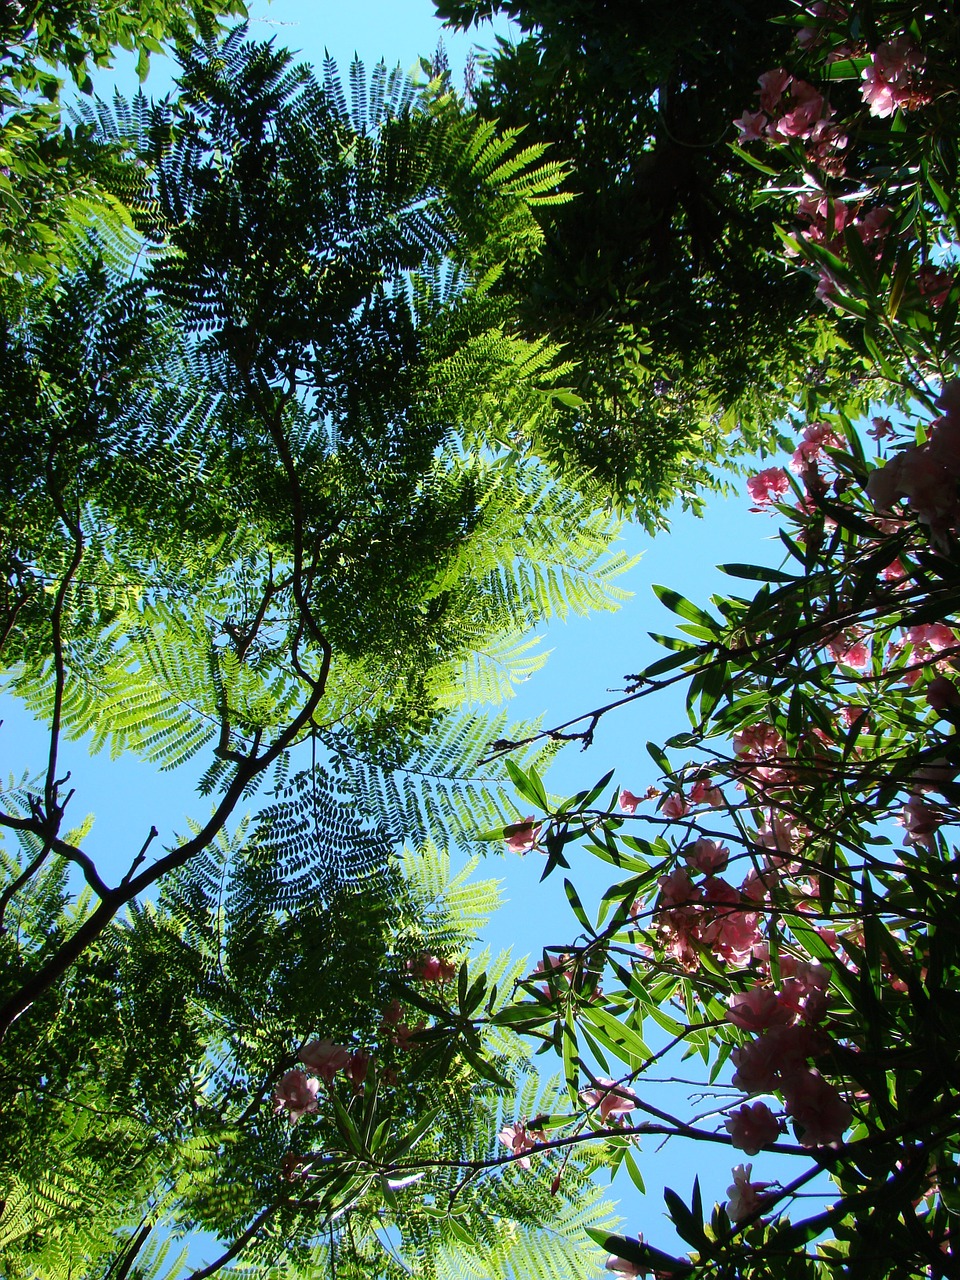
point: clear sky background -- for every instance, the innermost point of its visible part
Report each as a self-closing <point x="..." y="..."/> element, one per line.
<point x="588" y="661"/>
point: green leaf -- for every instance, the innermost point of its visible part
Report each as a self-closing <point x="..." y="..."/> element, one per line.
<point x="757" y="573"/>
<point x="684" y="608"/>
<point x="528" y="784"/>
<point x="689" y="1227"/>
<point x="577" y="907"/>
<point x="620" y="1039"/>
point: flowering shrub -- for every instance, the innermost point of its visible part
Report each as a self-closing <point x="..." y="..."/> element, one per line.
<point x="786" y="911"/>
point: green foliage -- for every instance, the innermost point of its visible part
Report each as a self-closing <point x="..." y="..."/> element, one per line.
<point x="662" y="276"/>
<point x="267" y="517"/>
<point x="58" y="184"/>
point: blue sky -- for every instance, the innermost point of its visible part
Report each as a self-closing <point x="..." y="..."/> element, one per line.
<point x="589" y="656"/>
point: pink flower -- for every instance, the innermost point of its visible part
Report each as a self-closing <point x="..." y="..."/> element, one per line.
<point x="757" y="1010"/>
<point x="519" y="1139"/>
<point x="296" y="1094"/>
<point x="677" y="888"/>
<point x="934" y="284"/>
<point x="816" y="437"/>
<point x="942" y="694"/>
<point x="920" y="822"/>
<point x="611" y="1099"/>
<point x="888" y="82"/>
<point x="432" y="969"/>
<point x="807" y="108"/>
<point x="772" y="87"/>
<point x="629" y="802"/>
<point x="674" y="806"/>
<point x="521" y="837"/>
<point x="325" y="1058"/>
<point x="756" y="1065"/>
<point x="879" y="94"/>
<point x="679" y="932"/>
<point x="765" y="487"/>
<point x="706" y="856"/>
<point x="745" y="1197"/>
<point x="703" y="791"/>
<point x="752" y="1127"/>
<point x="751" y="125"/>
<point x="624" y="1268"/>
<point x="817" y="1107"/>
<point x="848" y="650"/>
<point x="356" y="1069"/>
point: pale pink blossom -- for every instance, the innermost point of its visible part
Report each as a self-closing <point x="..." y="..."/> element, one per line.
<point x="610" y="1099"/>
<point x="807" y="107"/>
<point x="325" y="1058"/>
<point x="296" y="1094"/>
<point x="817" y="1107"/>
<point x="757" y="1065"/>
<point x="781" y="835"/>
<point x="752" y="1127"/>
<point x="678" y="888"/>
<point x="520" y="1139"/>
<point x="675" y="806"/>
<point x="849" y="650"/>
<point x="816" y="437"/>
<point x="521" y="837"/>
<point x="745" y="1198"/>
<point x="704" y="791"/>
<point x="874" y="227"/>
<point x="773" y="84"/>
<point x="757" y="885"/>
<point x="920" y="821"/>
<point x="679" y="933"/>
<point x="730" y="932"/>
<point x="623" y="1267"/>
<point x="757" y="1010"/>
<point x="879" y="94"/>
<point x="767" y="486"/>
<point x="752" y="125"/>
<point x="706" y="856"/>
<point x="776" y="1056"/>
<point x="890" y="81"/>
<point x="628" y="801"/>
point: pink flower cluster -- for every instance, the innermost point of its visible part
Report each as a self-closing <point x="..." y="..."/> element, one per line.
<point x="610" y="1099"/>
<point x="891" y="79"/>
<point x="816" y="437"/>
<point x="711" y="915"/>
<point x="928" y="474"/>
<point x="790" y="108"/>
<point x="297" y="1092"/>
<point x="779" y="1058"/>
<point x="432" y="969"/>
<point x="519" y="1139"/>
<point x="768" y="487"/>
<point x="761" y="756"/>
